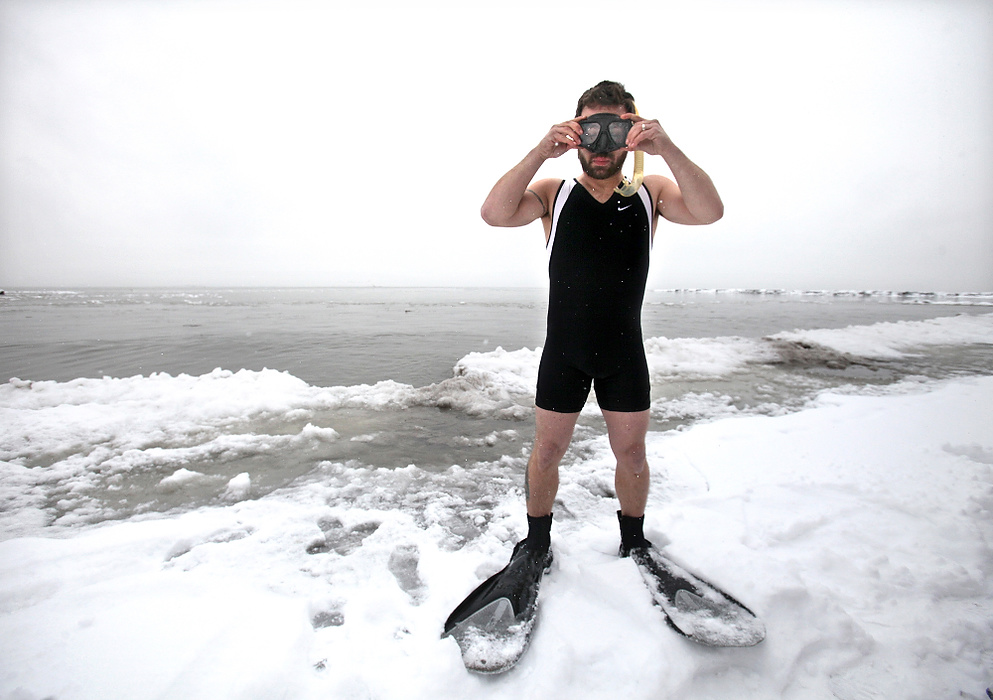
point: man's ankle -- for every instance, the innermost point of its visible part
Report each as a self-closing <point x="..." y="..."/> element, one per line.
<point x="540" y="531"/>
<point x="632" y="533"/>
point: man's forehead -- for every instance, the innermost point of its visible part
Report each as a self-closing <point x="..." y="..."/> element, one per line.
<point x="600" y="109"/>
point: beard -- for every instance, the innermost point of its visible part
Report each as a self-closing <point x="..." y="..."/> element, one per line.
<point x="601" y="172"/>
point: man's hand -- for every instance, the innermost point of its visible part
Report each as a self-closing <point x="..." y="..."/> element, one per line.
<point x="692" y="198"/>
<point x="647" y="135"/>
<point x="560" y="139"/>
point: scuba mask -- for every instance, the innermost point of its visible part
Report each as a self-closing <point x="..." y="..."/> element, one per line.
<point x="603" y="133"/>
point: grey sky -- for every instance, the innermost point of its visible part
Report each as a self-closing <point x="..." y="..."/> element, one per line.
<point x="305" y="143"/>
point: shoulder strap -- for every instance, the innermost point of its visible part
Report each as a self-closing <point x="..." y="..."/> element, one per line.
<point x="646" y="200"/>
<point x="560" y="198"/>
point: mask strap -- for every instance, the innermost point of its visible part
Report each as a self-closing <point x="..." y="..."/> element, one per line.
<point x="628" y="188"/>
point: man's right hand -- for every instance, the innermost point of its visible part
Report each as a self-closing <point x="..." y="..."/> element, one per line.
<point x="560" y="139"/>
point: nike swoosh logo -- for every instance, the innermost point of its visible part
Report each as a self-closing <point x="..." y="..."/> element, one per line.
<point x="623" y="208"/>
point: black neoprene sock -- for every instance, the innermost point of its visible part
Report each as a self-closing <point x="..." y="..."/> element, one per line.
<point x="632" y="533"/>
<point x="540" y="531"/>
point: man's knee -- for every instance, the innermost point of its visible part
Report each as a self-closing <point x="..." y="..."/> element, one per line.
<point x="632" y="458"/>
<point x="629" y="450"/>
<point x="553" y="433"/>
<point x="548" y="452"/>
<point x="630" y="453"/>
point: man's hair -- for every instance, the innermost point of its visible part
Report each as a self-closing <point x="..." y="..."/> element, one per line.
<point x="606" y="93"/>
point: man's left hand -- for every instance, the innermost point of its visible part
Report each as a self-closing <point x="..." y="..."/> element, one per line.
<point x="646" y="135"/>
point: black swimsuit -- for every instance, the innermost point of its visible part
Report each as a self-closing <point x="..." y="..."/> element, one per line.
<point x="597" y="268"/>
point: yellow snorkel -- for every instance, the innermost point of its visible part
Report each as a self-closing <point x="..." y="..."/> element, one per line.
<point x="629" y="187"/>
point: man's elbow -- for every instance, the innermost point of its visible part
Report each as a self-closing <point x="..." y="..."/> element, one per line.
<point x="486" y="212"/>
<point x="492" y="215"/>
<point x="715" y="214"/>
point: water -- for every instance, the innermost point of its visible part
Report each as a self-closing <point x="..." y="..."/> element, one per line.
<point x="345" y="336"/>
<point x="121" y="391"/>
<point x="326" y="337"/>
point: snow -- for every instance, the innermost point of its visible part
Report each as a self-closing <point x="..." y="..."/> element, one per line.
<point x="894" y="338"/>
<point x="238" y="488"/>
<point x="860" y="529"/>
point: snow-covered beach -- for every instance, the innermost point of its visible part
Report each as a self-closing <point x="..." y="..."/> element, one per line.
<point x="857" y="521"/>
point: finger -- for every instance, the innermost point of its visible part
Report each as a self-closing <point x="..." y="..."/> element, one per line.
<point x="641" y="130"/>
<point x="573" y="128"/>
<point x="567" y="133"/>
<point x="568" y="137"/>
<point x="562" y="141"/>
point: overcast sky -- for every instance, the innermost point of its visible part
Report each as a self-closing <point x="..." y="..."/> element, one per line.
<point x="221" y="143"/>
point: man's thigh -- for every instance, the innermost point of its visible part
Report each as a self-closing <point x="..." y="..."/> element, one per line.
<point x="627" y="431"/>
<point x="553" y="432"/>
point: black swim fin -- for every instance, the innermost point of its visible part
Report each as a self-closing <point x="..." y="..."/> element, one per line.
<point x="493" y="624"/>
<point x="696" y="608"/>
<point x="517" y="583"/>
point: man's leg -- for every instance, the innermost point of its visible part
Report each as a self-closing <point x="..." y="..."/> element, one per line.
<point x="553" y="433"/>
<point x="627" y="441"/>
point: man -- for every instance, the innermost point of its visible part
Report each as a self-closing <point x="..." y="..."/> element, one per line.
<point x="599" y="243"/>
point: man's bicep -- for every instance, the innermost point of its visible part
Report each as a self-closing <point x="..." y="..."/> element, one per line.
<point x="547" y="190"/>
<point x="537" y="201"/>
<point x="530" y="208"/>
<point x="670" y="204"/>
<point x="531" y="192"/>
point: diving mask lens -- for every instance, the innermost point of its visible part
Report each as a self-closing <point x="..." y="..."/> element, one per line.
<point x="603" y="133"/>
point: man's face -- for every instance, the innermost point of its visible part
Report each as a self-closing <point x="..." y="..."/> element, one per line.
<point x="602" y="166"/>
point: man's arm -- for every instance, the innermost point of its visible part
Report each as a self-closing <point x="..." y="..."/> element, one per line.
<point x="692" y="198"/>
<point x="511" y="202"/>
